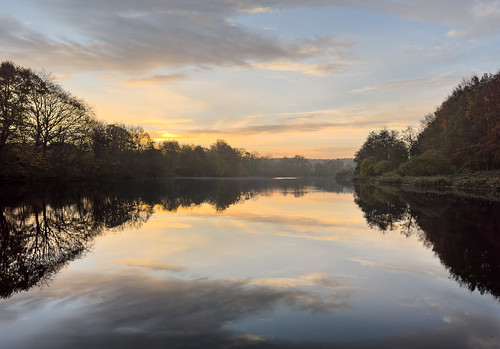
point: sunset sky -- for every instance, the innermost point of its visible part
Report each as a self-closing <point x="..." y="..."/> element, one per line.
<point x="280" y="77"/>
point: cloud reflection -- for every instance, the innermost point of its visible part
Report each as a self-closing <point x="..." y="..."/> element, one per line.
<point x="405" y="268"/>
<point x="128" y="309"/>
<point x="150" y="265"/>
<point x="464" y="331"/>
<point x="140" y="311"/>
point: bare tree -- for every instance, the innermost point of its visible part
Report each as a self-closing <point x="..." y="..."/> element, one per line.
<point x="410" y="137"/>
<point x="16" y="84"/>
<point x="56" y="118"/>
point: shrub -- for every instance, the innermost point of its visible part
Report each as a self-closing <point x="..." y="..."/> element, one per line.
<point x="430" y="163"/>
<point x="381" y="167"/>
<point x="367" y="168"/>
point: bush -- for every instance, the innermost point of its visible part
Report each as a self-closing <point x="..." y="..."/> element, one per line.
<point x="430" y="163"/>
<point x="381" y="167"/>
<point x="367" y="168"/>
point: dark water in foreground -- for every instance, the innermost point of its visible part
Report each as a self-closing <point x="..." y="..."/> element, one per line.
<point x="257" y="263"/>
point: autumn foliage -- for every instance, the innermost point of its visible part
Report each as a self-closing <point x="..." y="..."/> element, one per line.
<point x="466" y="127"/>
<point x="463" y="134"/>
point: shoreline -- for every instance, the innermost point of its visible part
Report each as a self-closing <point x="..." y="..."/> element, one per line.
<point x="488" y="180"/>
<point x="479" y="184"/>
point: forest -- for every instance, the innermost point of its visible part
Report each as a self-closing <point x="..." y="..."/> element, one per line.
<point x="462" y="135"/>
<point x="46" y="132"/>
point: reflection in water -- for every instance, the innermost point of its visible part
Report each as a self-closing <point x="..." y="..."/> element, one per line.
<point x="46" y="227"/>
<point x="463" y="232"/>
<point x="41" y="232"/>
<point x="276" y="264"/>
<point x="136" y="309"/>
<point x="140" y="311"/>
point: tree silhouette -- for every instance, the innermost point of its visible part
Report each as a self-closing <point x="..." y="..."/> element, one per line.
<point x="16" y="84"/>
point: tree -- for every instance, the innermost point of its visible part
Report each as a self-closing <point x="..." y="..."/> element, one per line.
<point x="46" y="132"/>
<point x="171" y="152"/>
<point x="117" y="139"/>
<point x="328" y="167"/>
<point x="197" y="161"/>
<point x="410" y="138"/>
<point x="382" y="145"/>
<point x="227" y="158"/>
<point x="55" y="117"/>
<point x="465" y="128"/>
<point x="140" y="139"/>
<point x="16" y="84"/>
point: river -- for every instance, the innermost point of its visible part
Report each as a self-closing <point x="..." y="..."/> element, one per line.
<point x="247" y="263"/>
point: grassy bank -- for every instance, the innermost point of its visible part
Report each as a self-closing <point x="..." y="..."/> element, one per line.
<point x="489" y="180"/>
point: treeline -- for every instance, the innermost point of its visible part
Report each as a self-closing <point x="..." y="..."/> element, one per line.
<point x="462" y="135"/>
<point x="45" y="132"/>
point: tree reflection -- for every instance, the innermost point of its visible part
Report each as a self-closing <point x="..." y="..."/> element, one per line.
<point x="462" y="231"/>
<point x="37" y="241"/>
<point x="42" y="228"/>
<point x="40" y="233"/>
<point x="382" y="209"/>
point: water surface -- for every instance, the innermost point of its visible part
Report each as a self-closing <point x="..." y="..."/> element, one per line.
<point x="256" y="263"/>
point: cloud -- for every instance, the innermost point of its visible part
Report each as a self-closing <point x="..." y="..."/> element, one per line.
<point x="157" y="79"/>
<point x="152" y="34"/>
<point x="160" y="123"/>
<point x="319" y="70"/>
<point x="414" y="83"/>
<point x="443" y="51"/>
<point x="297" y="127"/>
<point x="332" y="149"/>
<point x="483" y="21"/>
<point x="469" y="19"/>
<point x="298" y="123"/>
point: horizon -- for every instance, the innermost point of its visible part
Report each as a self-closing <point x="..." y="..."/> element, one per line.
<point x="281" y="78"/>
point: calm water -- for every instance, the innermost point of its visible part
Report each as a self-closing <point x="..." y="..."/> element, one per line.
<point x="227" y="263"/>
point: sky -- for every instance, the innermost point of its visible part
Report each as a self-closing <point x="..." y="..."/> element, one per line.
<point x="279" y="77"/>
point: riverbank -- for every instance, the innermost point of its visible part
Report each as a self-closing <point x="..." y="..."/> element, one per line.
<point x="484" y="180"/>
<point x="484" y="185"/>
